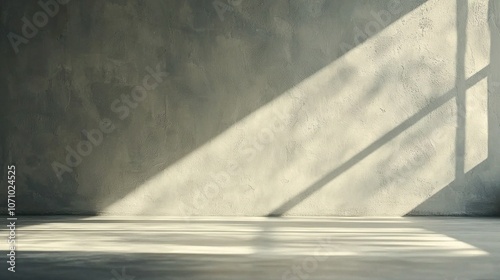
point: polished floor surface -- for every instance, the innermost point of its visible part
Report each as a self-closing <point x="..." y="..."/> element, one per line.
<point x="124" y="248"/>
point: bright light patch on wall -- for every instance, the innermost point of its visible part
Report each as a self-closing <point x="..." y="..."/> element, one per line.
<point x="476" y="129"/>
<point x="377" y="119"/>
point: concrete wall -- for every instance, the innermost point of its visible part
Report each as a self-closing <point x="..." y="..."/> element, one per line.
<point x="251" y="107"/>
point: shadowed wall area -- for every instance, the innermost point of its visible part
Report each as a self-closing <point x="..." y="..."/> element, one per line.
<point x="253" y="108"/>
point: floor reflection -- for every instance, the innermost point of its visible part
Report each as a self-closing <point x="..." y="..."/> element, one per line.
<point x="258" y="248"/>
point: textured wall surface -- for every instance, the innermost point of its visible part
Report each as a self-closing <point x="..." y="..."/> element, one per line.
<point x="251" y="107"/>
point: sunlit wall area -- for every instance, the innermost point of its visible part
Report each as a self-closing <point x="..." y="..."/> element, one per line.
<point x="372" y="133"/>
<point x="259" y="108"/>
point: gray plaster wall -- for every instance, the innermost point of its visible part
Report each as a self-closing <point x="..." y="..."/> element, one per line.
<point x="251" y="107"/>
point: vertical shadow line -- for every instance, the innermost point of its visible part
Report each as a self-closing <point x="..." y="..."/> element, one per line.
<point x="462" y="13"/>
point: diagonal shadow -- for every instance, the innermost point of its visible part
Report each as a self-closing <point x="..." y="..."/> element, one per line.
<point x="461" y="179"/>
<point x="485" y="175"/>
<point x="377" y="144"/>
<point x="190" y="101"/>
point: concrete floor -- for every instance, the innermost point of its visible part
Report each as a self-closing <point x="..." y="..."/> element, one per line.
<point x="120" y="248"/>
